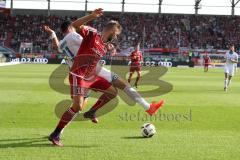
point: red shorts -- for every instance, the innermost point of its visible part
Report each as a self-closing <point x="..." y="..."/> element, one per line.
<point x="206" y="64"/>
<point x="135" y="68"/>
<point x="79" y="86"/>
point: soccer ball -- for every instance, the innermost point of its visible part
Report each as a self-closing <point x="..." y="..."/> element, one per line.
<point x="148" y="130"/>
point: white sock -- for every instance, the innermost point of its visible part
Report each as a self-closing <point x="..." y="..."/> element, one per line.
<point x="133" y="94"/>
<point x="225" y="83"/>
<point x="229" y="81"/>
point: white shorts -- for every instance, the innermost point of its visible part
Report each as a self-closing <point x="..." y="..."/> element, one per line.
<point x="229" y="70"/>
<point x="106" y="74"/>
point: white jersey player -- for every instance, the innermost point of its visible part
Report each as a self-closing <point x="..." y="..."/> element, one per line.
<point x="231" y="58"/>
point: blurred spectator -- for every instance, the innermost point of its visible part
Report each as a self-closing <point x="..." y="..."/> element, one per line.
<point x="163" y="31"/>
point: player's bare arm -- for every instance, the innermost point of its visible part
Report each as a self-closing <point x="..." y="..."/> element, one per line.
<point x="81" y="21"/>
<point x="53" y="36"/>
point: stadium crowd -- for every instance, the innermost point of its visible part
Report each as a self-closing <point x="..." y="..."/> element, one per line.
<point x="165" y="31"/>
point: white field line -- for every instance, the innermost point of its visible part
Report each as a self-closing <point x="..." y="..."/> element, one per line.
<point x="8" y="63"/>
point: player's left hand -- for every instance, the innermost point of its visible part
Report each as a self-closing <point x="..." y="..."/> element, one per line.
<point x="97" y="13"/>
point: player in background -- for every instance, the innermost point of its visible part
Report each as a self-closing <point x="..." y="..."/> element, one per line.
<point x="135" y="66"/>
<point x="231" y="58"/>
<point x="150" y="108"/>
<point x="206" y="61"/>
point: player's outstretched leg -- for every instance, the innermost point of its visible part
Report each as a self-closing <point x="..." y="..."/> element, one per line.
<point x="134" y="95"/>
<point x="107" y="96"/>
<point x="66" y="118"/>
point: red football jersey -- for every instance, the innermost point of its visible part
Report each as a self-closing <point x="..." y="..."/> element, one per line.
<point x="136" y="57"/>
<point x="89" y="54"/>
<point x="206" y="60"/>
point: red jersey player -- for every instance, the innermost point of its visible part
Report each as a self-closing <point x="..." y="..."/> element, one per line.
<point x="136" y="59"/>
<point x="207" y="62"/>
<point x="92" y="49"/>
<point x="83" y="71"/>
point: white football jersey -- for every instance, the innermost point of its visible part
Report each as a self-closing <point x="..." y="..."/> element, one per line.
<point x="229" y="57"/>
<point x="70" y="44"/>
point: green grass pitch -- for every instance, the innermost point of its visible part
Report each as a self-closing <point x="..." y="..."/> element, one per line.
<point x="209" y="131"/>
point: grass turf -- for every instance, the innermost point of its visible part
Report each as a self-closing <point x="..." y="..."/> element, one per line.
<point x="211" y="130"/>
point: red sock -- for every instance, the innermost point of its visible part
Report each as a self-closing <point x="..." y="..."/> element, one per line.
<point x="67" y="117"/>
<point x="101" y="102"/>
<point x="137" y="79"/>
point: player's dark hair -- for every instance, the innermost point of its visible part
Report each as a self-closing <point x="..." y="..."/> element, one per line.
<point x="65" y="25"/>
